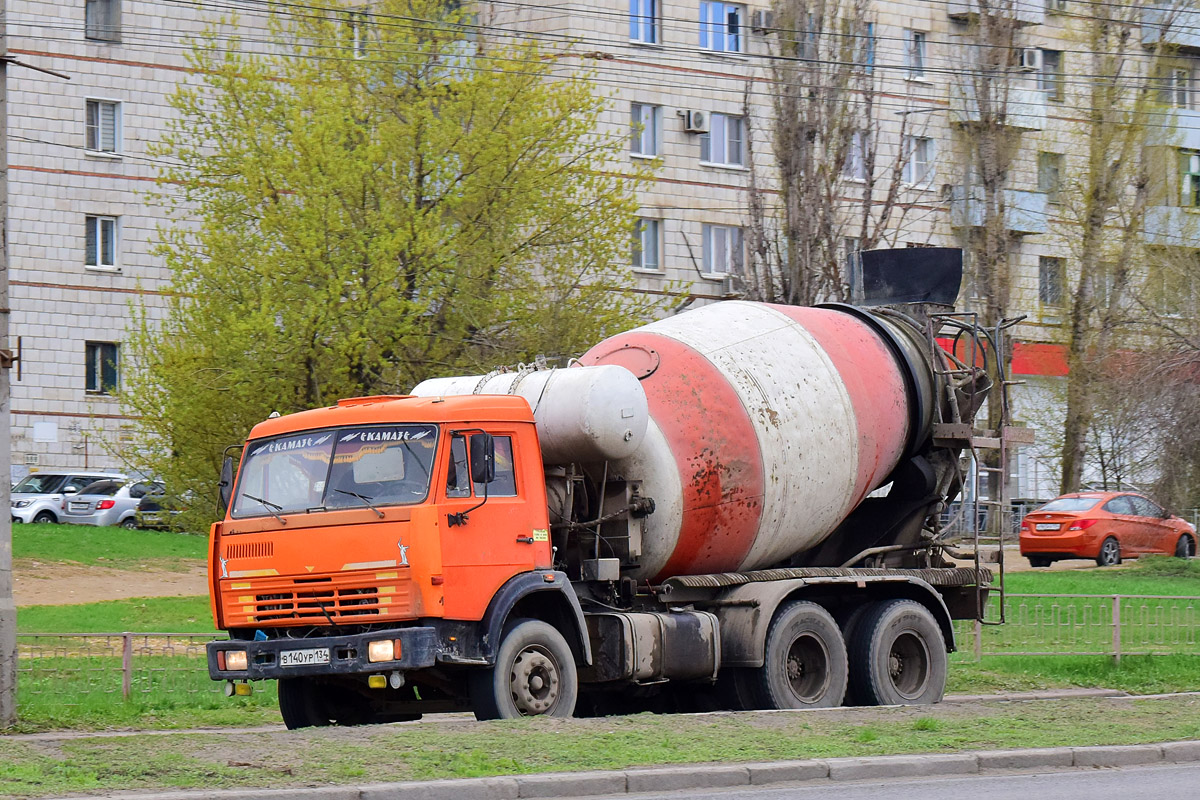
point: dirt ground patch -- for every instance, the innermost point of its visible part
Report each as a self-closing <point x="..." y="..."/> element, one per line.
<point x="40" y="584"/>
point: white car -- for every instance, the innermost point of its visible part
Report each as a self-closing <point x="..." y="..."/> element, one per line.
<point x="39" y="497"/>
<point x="107" y="502"/>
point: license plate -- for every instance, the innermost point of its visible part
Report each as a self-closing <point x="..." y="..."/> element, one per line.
<point x="78" y="506"/>
<point x="1048" y="526"/>
<point x="302" y="658"/>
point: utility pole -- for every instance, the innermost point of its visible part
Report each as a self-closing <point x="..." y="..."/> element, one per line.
<point x="8" y="607"/>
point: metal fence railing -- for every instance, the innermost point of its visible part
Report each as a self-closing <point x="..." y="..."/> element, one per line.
<point x="1072" y="624"/>
<point x="143" y="664"/>
<point x="113" y="663"/>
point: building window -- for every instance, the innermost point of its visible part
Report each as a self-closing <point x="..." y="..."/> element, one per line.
<point x="1050" y="281"/>
<point x="101" y="244"/>
<point x="918" y="163"/>
<point x="855" y="167"/>
<point x="102" y="20"/>
<point x="644" y="126"/>
<point x="723" y="251"/>
<point x="645" y="244"/>
<point x="1189" y="182"/>
<point x="358" y="21"/>
<point x="102" y="372"/>
<point x="723" y="142"/>
<point x="1050" y="167"/>
<point x="103" y="121"/>
<point x="721" y="27"/>
<point x="869" y="48"/>
<point x="852" y="255"/>
<point x="1050" y="79"/>
<point x="915" y="55"/>
<point x="1176" y="88"/>
<point x="643" y="21"/>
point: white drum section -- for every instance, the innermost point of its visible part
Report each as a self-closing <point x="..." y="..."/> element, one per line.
<point x="583" y="414"/>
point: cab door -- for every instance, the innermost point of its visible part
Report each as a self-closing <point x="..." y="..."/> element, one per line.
<point x="490" y="531"/>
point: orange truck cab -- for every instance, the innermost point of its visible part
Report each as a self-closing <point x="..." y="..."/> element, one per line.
<point x="417" y="526"/>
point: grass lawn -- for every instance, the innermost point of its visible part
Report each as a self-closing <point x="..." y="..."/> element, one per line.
<point x="1152" y="575"/>
<point x="143" y="614"/>
<point x="108" y="547"/>
<point x="460" y="748"/>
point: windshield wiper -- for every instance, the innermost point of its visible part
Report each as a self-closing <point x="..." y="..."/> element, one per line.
<point x="268" y="505"/>
<point x="362" y="497"/>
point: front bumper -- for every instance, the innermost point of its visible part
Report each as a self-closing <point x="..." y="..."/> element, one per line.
<point x="347" y="655"/>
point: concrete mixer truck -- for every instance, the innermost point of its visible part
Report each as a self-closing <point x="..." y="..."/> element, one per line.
<point x="736" y="507"/>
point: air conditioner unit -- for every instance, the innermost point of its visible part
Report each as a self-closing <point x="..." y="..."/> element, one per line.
<point x="1031" y="59"/>
<point x="31" y="459"/>
<point x="695" y="121"/>
<point x="762" y="21"/>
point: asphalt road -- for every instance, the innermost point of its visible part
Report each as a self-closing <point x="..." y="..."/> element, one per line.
<point x="1168" y="782"/>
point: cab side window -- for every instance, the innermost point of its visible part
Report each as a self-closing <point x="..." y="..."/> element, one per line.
<point x="505" y="484"/>
<point x="458" y="480"/>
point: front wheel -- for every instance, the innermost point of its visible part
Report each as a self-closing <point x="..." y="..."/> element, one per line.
<point x="534" y="675"/>
<point x="897" y="655"/>
<point x="1110" y="553"/>
<point x="129" y="524"/>
<point x="301" y="704"/>
<point x="1185" y="547"/>
<point x="45" y="517"/>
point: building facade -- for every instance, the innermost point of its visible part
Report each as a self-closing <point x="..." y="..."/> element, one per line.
<point x="693" y="92"/>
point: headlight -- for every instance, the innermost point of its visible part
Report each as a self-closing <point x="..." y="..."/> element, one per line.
<point x="383" y="650"/>
<point x="21" y="503"/>
<point x="235" y="660"/>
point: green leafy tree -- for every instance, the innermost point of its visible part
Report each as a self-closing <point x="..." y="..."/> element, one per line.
<point x="374" y="200"/>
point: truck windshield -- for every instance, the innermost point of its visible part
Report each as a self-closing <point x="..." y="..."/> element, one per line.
<point x="347" y="467"/>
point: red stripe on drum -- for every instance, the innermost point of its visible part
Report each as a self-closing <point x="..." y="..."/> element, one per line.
<point x="874" y="383"/>
<point x="714" y="445"/>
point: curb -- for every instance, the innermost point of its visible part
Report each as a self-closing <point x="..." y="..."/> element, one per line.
<point x="675" y="778"/>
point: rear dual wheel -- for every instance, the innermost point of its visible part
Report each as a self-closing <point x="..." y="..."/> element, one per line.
<point x="897" y="655"/>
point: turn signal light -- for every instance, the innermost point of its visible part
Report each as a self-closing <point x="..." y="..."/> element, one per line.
<point x="1082" y="525"/>
<point x="235" y="660"/>
<point x="383" y="650"/>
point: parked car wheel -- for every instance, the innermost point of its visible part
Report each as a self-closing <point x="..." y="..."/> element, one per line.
<point x="129" y="524"/>
<point x="1185" y="547"/>
<point x="1110" y="553"/>
<point x="45" y="516"/>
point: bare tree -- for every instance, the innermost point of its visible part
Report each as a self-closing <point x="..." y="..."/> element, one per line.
<point x="835" y="181"/>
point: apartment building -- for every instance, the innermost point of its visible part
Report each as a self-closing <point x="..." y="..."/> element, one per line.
<point x="691" y="90"/>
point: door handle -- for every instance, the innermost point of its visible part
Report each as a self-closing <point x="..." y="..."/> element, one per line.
<point x="524" y="540"/>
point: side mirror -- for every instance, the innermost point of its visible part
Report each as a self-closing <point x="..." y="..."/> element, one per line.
<point x="225" y="487"/>
<point x="71" y="490"/>
<point x="483" y="458"/>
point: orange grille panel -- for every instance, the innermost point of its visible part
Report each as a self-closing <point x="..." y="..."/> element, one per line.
<point x="250" y="550"/>
<point x="343" y="598"/>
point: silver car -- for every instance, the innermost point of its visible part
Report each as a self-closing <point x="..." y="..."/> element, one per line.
<point x="108" y="502"/>
<point x="39" y="497"/>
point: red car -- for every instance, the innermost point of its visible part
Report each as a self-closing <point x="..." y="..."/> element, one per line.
<point x="1106" y="526"/>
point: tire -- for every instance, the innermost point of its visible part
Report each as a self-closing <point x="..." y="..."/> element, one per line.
<point x="805" y="663"/>
<point x="301" y="704"/>
<point x="534" y="675"/>
<point x="898" y="655"/>
<point x="1110" y="553"/>
<point x="1185" y="547"/>
<point x="129" y="523"/>
<point x="1040" y="561"/>
<point x="45" y="517"/>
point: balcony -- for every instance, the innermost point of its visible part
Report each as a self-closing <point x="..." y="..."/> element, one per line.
<point x="1171" y="226"/>
<point x="1165" y="23"/>
<point x="1024" y="107"/>
<point x="1025" y="12"/>
<point x="1174" y="127"/>
<point x="1025" y="212"/>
